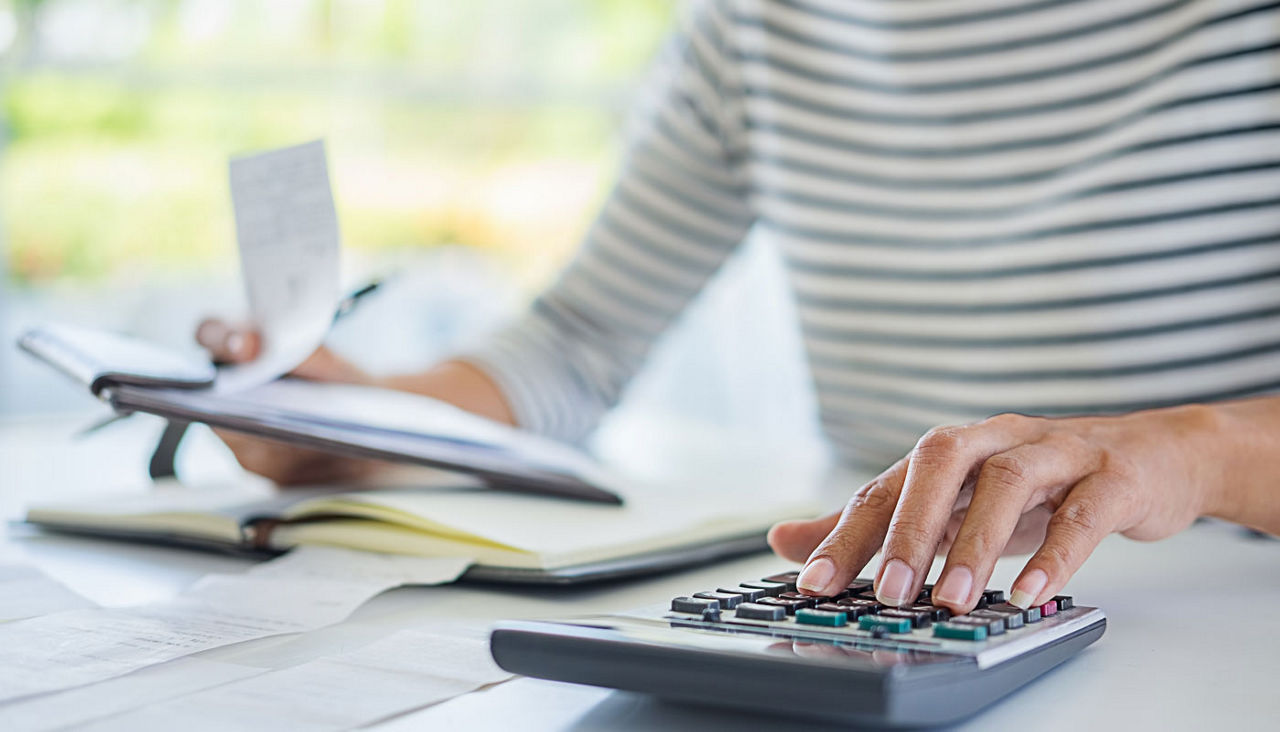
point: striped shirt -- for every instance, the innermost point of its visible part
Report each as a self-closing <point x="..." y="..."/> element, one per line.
<point x="1040" y="206"/>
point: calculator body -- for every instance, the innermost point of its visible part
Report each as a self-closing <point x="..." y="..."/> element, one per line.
<point x="845" y="674"/>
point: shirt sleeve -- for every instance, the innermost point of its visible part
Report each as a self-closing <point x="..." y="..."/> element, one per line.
<point x="679" y="208"/>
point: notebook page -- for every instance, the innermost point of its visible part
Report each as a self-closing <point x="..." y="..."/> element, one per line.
<point x="654" y="517"/>
<point x="209" y="511"/>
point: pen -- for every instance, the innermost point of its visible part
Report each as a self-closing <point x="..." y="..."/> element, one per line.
<point x="348" y="304"/>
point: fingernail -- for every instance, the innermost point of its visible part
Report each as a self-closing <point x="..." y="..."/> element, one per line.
<point x="816" y="575"/>
<point x="895" y="583"/>
<point x="1028" y="588"/>
<point x="955" y="587"/>
<point x="235" y="343"/>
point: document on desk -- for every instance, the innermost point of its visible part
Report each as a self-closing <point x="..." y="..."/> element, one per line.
<point x="287" y="232"/>
<point x="151" y="685"/>
<point x="27" y="592"/>
<point x="306" y="589"/>
<point x="404" y="672"/>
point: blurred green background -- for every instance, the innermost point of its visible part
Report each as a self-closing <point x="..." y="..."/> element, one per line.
<point x="469" y="143"/>
<point x="489" y="124"/>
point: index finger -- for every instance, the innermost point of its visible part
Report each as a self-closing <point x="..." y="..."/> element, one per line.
<point x="857" y="533"/>
<point x="937" y="470"/>
<point x="227" y="343"/>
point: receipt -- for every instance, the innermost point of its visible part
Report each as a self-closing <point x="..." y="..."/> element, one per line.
<point x="406" y="671"/>
<point x="151" y="685"/>
<point x="310" y="588"/>
<point x="26" y="592"/>
<point x="287" y="230"/>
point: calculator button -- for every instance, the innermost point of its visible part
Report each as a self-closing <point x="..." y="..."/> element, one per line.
<point x="918" y="619"/>
<point x="806" y="616"/>
<point x="936" y="614"/>
<point x="1012" y="621"/>
<point x="1049" y="609"/>
<point x="728" y="600"/>
<point x="860" y="585"/>
<point x="866" y="607"/>
<point x="757" y="611"/>
<point x="788" y="604"/>
<point x="994" y="626"/>
<point x="816" y="598"/>
<point x="693" y="605"/>
<point x="771" y="589"/>
<point x="892" y="625"/>
<point x="1030" y="615"/>
<point x="993" y="597"/>
<point x="960" y="632"/>
<point x="786" y="578"/>
<point x="831" y="607"/>
<point x="857" y="609"/>
<point x="1064" y="602"/>
<point x="749" y="594"/>
<point x="812" y="600"/>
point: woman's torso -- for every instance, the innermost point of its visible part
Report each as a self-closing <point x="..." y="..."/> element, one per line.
<point x="1044" y="207"/>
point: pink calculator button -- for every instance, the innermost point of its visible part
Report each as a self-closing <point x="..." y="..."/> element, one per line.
<point x="1049" y="608"/>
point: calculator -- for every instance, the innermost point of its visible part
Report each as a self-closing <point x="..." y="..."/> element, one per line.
<point x="760" y="645"/>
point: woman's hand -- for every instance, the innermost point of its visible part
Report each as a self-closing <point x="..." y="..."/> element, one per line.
<point x="283" y="463"/>
<point x="1015" y="483"/>
<point x="456" y="382"/>
<point x="232" y="344"/>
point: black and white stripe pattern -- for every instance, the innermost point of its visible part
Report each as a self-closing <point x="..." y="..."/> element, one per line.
<point x="1042" y="206"/>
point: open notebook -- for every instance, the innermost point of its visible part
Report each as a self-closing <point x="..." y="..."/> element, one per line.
<point x="344" y="419"/>
<point x="510" y="537"/>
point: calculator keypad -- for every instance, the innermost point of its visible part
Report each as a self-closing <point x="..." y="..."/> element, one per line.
<point x="774" y="599"/>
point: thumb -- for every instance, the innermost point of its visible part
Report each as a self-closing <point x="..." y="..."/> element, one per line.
<point x="227" y="343"/>
<point x="796" y="540"/>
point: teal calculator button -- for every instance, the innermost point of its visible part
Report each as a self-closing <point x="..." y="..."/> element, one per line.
<point x="821" y="617"/>
<point x="893" y="625"/>
<point x="960" y="632"/>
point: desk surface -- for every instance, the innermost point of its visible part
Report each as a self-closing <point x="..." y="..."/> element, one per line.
<point x="1193" y="638"/>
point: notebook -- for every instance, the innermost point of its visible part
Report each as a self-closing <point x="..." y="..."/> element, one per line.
<point x="347" y="419"/>
<point x="369" y="422"/>
<point x="560" y="516"/>
<point x="509" y="537"/>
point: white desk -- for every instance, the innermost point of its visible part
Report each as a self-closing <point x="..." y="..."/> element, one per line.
<point x="1193" y="640"/>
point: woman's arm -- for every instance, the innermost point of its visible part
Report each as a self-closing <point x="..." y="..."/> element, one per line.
<point x="1146" y="475"/>
<point x="458" y="383"/>
<point x="1248" y="451"/>
<point x="678" y="211"/>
